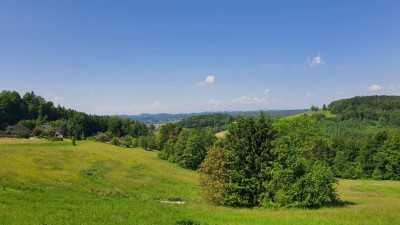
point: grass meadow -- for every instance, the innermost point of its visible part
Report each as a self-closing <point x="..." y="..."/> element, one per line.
<point x="94" y="183"/>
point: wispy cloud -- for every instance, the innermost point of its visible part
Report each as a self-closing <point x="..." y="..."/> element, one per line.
<point x="375" y="87"/>
<point x="244" y="100"/>
<point x="308" y="95"/>
<point x="208" y="81"/>
<point x="317" y="60"/>
<point x="266" y="91"/>
<point x="249" y="100"/>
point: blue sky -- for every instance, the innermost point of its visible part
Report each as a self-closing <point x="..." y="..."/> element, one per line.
<point x="131" y="57"/>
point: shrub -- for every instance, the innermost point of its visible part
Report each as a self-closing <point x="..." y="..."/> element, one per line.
<point x="115" y="141"/>
<point x="127" y="141"/>
<point x="37" y="131"/>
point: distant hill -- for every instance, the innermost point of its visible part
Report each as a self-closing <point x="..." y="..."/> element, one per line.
<point x="161" y="118"/>
<point x="385" y="108"/>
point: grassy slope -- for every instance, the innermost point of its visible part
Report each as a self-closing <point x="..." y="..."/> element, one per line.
<point x="221" y="134"/>
<point x="94" y="183"/>
<point x="327" y="113"/>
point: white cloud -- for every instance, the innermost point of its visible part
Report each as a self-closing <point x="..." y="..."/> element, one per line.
<point x="266" y="91"/>
<point x="316" y="61"/>
<point x="250" y="101"/>
<point x="208" y="81"/>
<point x="307" y="96"/>
<point x="215" y="103"/>
<point x="375" y="87"/>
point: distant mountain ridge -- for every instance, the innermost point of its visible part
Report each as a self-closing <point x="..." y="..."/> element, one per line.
<point x="160" y="118"/>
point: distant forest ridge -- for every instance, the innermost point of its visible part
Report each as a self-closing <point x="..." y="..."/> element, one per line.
<point x="385" y="108"/>
<point x="161" y="118"/>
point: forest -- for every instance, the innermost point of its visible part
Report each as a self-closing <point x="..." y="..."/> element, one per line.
<point x="32" y="111"/>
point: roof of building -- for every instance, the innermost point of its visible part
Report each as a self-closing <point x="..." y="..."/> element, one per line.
<point x="49" y="127"/>
<point x="19" y="127"/>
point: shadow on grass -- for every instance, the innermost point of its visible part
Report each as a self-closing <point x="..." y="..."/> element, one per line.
<point x="339" y="204"/>
<point x="188" y="222"/>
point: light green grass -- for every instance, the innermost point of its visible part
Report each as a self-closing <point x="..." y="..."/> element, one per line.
<point x="221" y="134"/>
<point x="94" y="183"/>
<point x="327" y="114"/>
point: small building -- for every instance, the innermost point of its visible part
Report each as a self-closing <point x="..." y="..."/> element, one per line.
<point x="19" y="128"/>
<point x="57" y="131"/>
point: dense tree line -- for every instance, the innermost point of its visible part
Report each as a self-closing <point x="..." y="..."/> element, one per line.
<point x="186" y="147"/>
<point x="385" y="108"/>
<point x="32" y="110"/>
<point x="369" y="156"/>
<point x="217" y="121"/>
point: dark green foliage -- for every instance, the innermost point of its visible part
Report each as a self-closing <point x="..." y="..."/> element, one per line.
<point x="115" y="141"/>
<point x="217" y="121"/>
<point x="167" y="132"/>
<point x="14" y="134"/>
<point x="250" y="143"/>
<point x="357" y="148"/>
<point x="32" y="110"/>
<point x="190" y="147"/>
<point x="187" y="222"/>
<point x="315" y="188"/>
<point x="365" y="164"/>
<point x="12" y="108"/>
<point x="300" y="175"/>
<point x="319" y="116"/>
<point x="127" y="141"/>
<point x="314" y="108"/>
<point x="73" y="140"/>
<point x="386" y="108"/>
<point x="147" y="142"/>
<point x="387" y="158"/>
<point x="196" y="148"/>
<point x="274" y="165"/>
<point x="31" y="124"/>
<point x="167" y="151"/>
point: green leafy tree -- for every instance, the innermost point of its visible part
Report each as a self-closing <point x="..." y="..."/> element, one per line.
<point x="387" y="159"/>
<point x="196" y="148"/>
<point x="249" y="142"/>
<point x="169" y="131"/>
<point x="300" y="175"/>
<point x="213" y="179"/>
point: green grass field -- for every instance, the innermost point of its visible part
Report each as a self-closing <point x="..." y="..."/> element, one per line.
<point x="327" y="113"/>
<point x="95" y="183"/>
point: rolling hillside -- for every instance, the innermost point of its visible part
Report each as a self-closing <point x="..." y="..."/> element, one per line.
<point x="94" y="183"/>
<point x="162" y="118"/>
